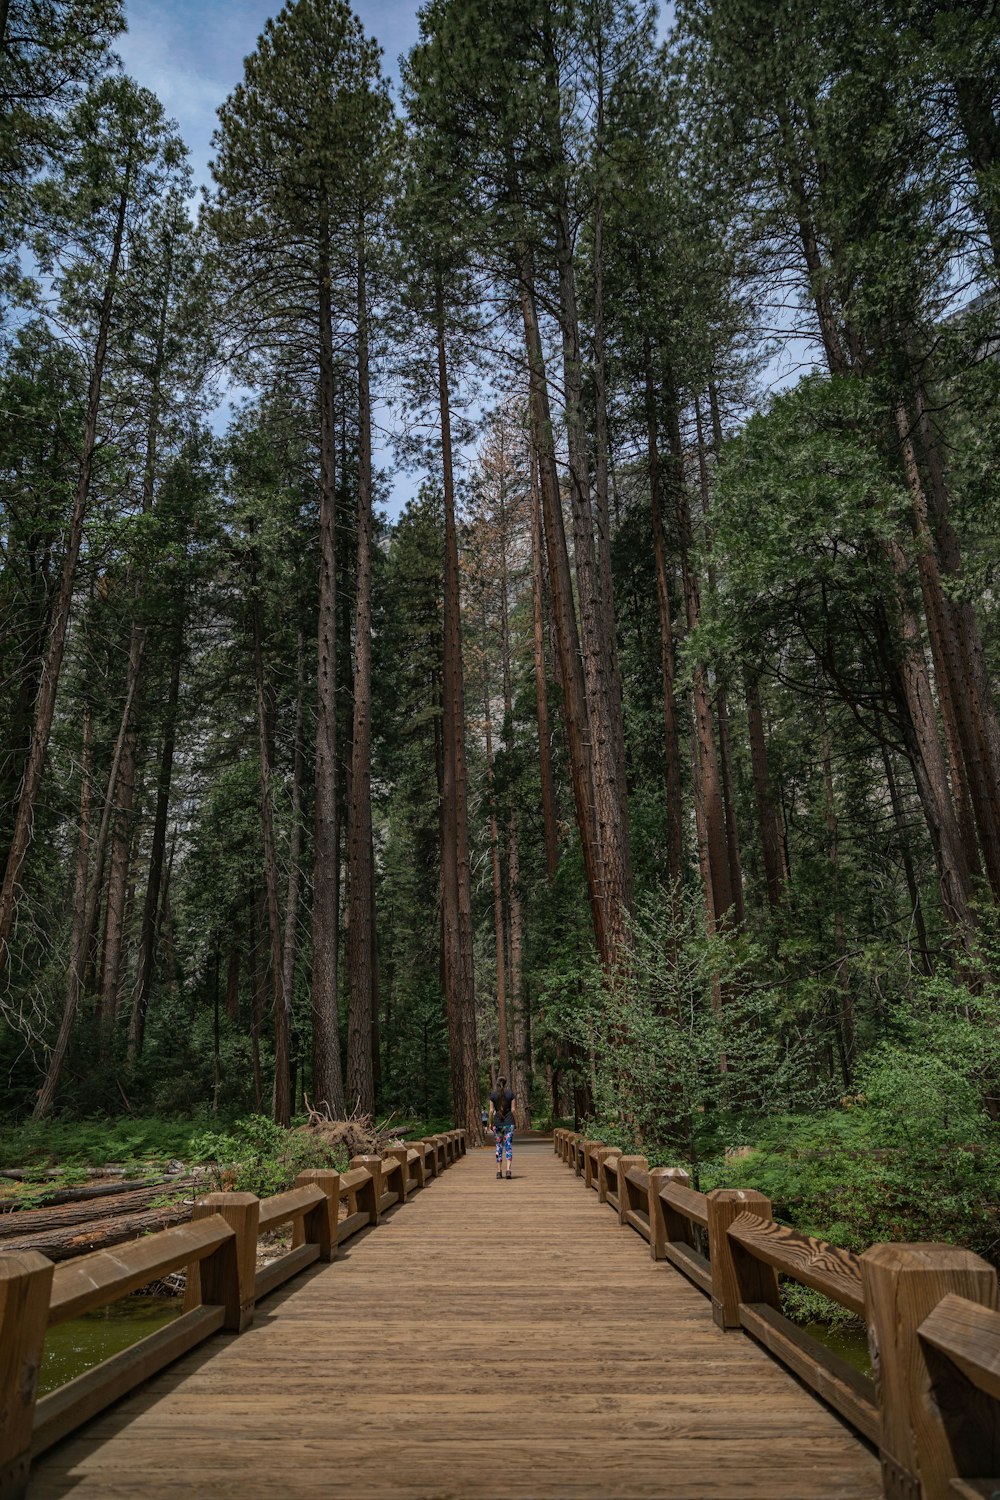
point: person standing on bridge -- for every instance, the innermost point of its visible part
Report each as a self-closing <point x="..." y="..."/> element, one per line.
<point x="502" y="1124"/>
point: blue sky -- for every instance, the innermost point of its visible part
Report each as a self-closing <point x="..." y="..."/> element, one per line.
<point x="190" y="53"/>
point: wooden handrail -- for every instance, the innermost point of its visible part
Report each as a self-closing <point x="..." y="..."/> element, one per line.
<point x="933" y="1314"/>
<point x="693" y="1206"/>
<point x="284" y="1207"/>
<point x="218" y="1248"/>
<point x="968" y="1334"/>
<point x="92" y="1281"/>
<point x="825" y="1268"/>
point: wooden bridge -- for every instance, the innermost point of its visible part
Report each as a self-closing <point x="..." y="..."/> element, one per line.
<point x="484" y="1339"/>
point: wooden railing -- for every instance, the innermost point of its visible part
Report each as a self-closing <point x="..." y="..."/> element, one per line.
<point x="933" y="1408"/>
<point x="218" y="1249"/>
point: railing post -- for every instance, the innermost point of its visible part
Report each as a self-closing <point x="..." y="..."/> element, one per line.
<point x="226" y="1278"/>
<point x="370" y="1194"/>
<point x="932" y="1427"/>
<point x="625" y="1188"/>
<point x="399" y="1152"/>
<point x="319" y="1225"/>
<point x="588" y="1165"/>
<point x="557" y="1132"/>
<point x="25" y="1288"/>
<point x="418" y="1165"/>
<point x="602" y="1180"/>
<point x="736" y="1276"/>
<point x="431" y="1140"/>
<point x="665" y="1224"/>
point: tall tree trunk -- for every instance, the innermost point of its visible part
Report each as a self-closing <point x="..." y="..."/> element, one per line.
<point x="599" y="652"/>
<point x="327" y="1078"/>
<point x="455" y="865"/>
<point x="257" y="1002"/>
<point x="503" y="1045"/>
<point x="520" y="1074"/>
<point x="671" y="733"/>
<point x="913" y="890"/>
<point x="721" y="697"/>
<point x="844" y="1020"/>
<point x="602" y="452"/>
<point x="52" y="667"/>
<point x="118" y="876"/>
<point x="281" y="1091"/>
<point x="709" y="778"/>
<point x="972" y="686"/>
<point x="923" y="747"/>
<point x="970" y="775"/>
<point x="216" y="1034"/>
<point x="149" y="935"/>
<point x="118" y="883"/>
<point x="768" y="826"/>
<point x="233" y="984"/>
<point x="289" y="945"/>
<point x="361" y="921"/>
<point x="563" y="614"/>
<point x="541" y="676"/>
<point x="978" y="119"/>
<point x="79" y="956"/>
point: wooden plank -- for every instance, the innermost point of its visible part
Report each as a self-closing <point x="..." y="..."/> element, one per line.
<point x="826" y="1268"/>
<point x="350" y="1226"/>
<point x="94" y="1280"/>
<point x="283" y="1269"/>
<point x="73" y="1403"/>
<point x="692" y="1205"/>
<point x="695" y="1267"/>
<point x="638" y="1221"/>
<point x="351" y="1181"/>
<point x="285" y="1206"/>
<point x="831" y="1377"/>
<point x="969" y="1335"/>
<point x="974" y="1489"/>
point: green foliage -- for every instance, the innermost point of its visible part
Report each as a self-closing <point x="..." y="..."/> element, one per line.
<point x="95" y="1142"/>
<point x="257" y="1156"/>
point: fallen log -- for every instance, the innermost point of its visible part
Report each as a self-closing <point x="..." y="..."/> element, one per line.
<point x="111" y="1170"/>
<point x="33" y="1221"/>
<point x="79" y="1239"/>
<point x="81" y="1193"/>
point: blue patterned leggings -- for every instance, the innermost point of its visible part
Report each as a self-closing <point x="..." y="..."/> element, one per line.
<point x="505" y="1141"/>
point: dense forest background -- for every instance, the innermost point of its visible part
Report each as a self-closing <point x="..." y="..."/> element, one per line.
<point x="652" y="751"/>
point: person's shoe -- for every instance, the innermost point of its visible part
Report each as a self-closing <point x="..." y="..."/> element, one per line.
<point x="500" y="1174"/>
<point x="508" y="1176"/>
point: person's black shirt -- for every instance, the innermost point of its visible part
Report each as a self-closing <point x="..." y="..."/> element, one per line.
<point x="503" y="1114"/>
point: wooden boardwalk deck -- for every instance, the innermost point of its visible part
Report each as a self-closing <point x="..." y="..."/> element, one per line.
<point x="489" y="1339"/>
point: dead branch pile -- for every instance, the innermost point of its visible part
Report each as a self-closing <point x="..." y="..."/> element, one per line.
<point x="358" y="1135"/>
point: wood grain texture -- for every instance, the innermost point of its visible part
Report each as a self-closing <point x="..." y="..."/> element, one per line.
<point x="826" y="1268"/>
<point x="969" y="1335"/>
<point x="436" y="1360"/>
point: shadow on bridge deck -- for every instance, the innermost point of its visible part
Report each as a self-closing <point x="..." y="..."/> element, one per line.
<point x="491" y="1339"/>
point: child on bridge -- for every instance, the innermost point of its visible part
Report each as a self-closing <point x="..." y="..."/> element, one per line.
<point x="502" y="1123"/>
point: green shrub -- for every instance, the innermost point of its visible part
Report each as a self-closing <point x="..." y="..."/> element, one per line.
<point x="257" y="1156"/>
